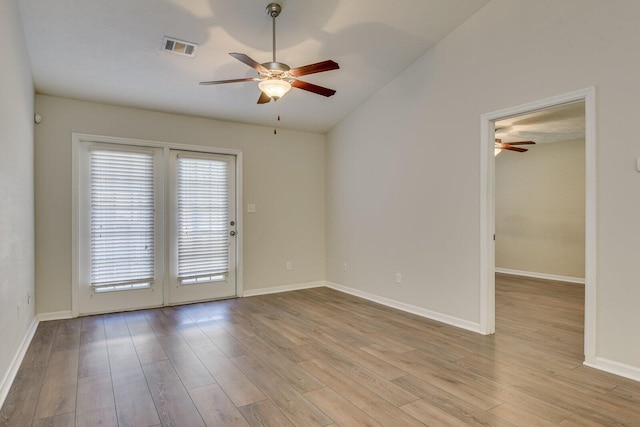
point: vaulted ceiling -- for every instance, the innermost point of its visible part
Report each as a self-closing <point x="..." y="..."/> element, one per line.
<point x="111" y="52"/>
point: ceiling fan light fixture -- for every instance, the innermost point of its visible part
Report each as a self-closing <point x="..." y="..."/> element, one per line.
<point x="274" y="88"/>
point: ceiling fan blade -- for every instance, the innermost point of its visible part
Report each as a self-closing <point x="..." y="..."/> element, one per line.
<point x="318" y="67"/>
<point x="264" y="98"/>
<point x="313" y="88"/>
<point x="520" y="143"/>
<point x="250" y="62"/>
<point x="519" y="150"/>
<point x="217" y="82"/>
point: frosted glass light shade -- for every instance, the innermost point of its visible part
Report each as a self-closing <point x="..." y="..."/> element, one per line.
<point x="275" y="88"/>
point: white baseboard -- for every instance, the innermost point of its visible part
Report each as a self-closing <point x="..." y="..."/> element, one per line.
<point x="56" y="315"/>
<point x="284" y="288"/>
<point x="423" y="312"/>
<point x="627" y="371"/>
<point x="11" y="373"/>
<point x="569" y="279"/>
<point x="444" y="318"/>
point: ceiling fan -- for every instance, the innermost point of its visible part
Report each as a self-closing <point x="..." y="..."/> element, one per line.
<point x="510" y="145"/>
<point x="276" y="78"/>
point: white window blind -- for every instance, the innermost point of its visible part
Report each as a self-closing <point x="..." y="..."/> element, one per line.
<point x="203" y="236"/>
<point x="122" y="220"/>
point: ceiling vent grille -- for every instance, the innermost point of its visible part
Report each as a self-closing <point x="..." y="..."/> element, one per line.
<point x="179" y="47"/>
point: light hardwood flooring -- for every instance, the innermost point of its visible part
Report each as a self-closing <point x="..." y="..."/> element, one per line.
<point x="319" y="357"/>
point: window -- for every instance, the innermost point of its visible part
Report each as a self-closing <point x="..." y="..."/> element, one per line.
<point x="203" y="214"/>
<point x="122" y="207"/>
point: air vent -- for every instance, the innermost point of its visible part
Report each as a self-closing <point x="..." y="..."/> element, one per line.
<point x="180" y="47"/>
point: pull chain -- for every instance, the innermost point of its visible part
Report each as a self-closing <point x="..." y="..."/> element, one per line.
<point x="275" y="131"/>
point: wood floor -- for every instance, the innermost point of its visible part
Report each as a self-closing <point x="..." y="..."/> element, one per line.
<point x="319" y="357"/>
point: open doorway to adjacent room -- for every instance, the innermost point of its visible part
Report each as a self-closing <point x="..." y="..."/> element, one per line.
<point x="540" y="231"/>
<point x="525" y="218"/>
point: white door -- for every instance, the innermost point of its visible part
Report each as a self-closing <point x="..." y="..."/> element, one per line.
<point x="120" y="228"/>
<point x="202" y="227"/>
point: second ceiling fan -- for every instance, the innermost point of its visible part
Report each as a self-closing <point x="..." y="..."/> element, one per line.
<point x="276" y="78"/>
<point x="510" y="145"/>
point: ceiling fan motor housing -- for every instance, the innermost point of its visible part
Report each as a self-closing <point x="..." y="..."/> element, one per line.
<point x="276" y="67"/>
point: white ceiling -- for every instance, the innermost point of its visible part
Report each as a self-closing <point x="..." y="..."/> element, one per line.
<point x="110" y="51"/>
<point x="556" y="124"/>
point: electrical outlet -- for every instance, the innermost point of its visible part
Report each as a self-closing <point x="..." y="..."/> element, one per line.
<point x="289" y="266"/>
<point x="251" y="208"/>
<point x="344" y="266"/>
<point x="398" y="277"/>
<point x="28" y="298"/>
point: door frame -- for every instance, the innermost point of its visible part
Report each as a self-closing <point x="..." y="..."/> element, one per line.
<point x="78" y="138"/>
<point x="487" y="210"/>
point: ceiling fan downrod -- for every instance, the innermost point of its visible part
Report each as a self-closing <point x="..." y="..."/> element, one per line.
<point x="273" y="10"/>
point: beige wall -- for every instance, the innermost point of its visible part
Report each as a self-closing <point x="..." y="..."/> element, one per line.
<point x="540" y="206"/>
<point x="403" y="170"/>
<point x="283" y="176"/>
<point x="16" y="191"/>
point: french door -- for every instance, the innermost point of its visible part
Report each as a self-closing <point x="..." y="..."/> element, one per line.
<point x="156" y="227"/>
<point x="202" y="227"/>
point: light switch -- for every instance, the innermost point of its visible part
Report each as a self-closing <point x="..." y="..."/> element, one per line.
<point x="251" y="208"/>
<point x="638" y="164"/>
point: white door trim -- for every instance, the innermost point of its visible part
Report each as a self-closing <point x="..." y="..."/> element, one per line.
<point x="77" y="138"/>
<point x="487" y="212"/>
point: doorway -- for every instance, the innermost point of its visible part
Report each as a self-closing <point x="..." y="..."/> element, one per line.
<point x="539" y="223"/>
<point x="488" y="214"/>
